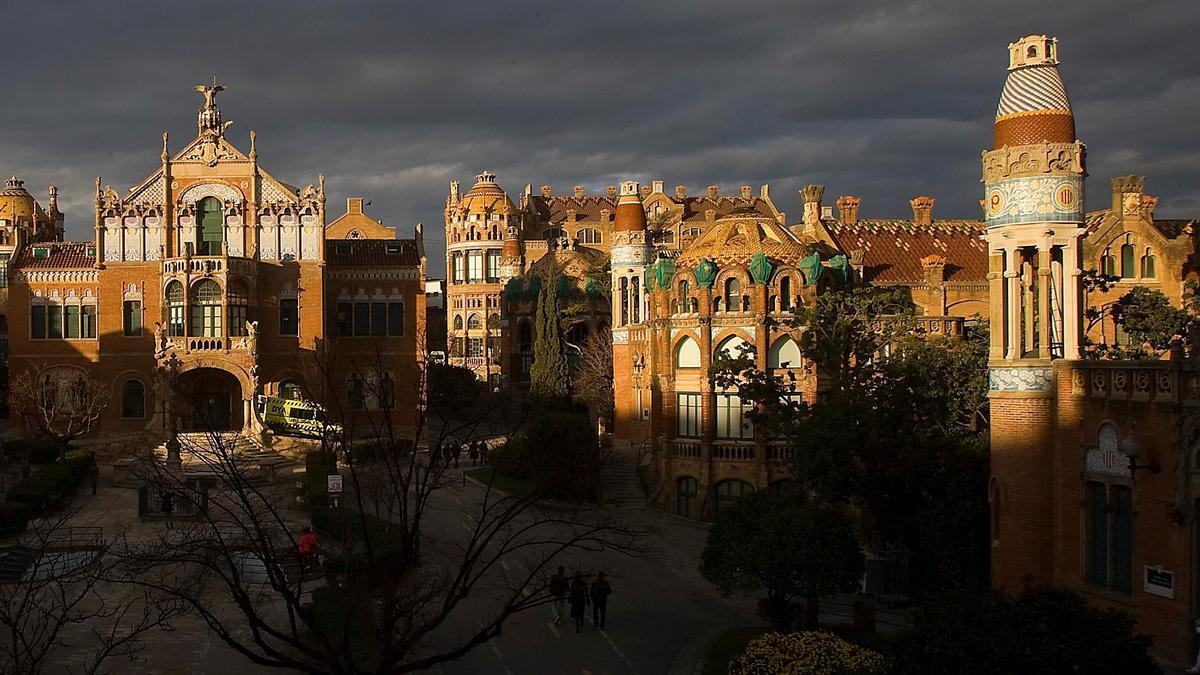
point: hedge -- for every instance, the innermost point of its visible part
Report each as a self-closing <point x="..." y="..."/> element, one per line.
<point x="46" y="486"/>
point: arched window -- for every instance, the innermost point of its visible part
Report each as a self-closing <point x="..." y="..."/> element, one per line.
<point x="1108" y="514"/>
<point x="474" y="322"/>
<point x="206" y="309"/>
<point x="733" y="294"/>
<point x="355" y="391"/>
<point x="239" y="308"/>
<point x="1149" y="265"/>
<point x="589" y="235"/>
<point x="690" y="233"/>
<point x="133" y="400"/>
<point x="624" y="318"/>
<point x="785" y="294"/>
<point x="728" y="492"/>
<point x="1108" y="263"/>
<point x="458" y="324"/>
<point x="175" y="311"/>
<point x="1032" y="52"/>
<point x="687" y="489"/>
<point x="685" y="296"/>
<point x="210" y="230"/>
<point x="1128" y="269"/>
<point x="731" y="346"/>
<point x="687" y="354"/>
<point x="552" y="233"/>
<point x="784" y="353"/>
<point x="635" y="298"/>
<point x="291" y="391"/>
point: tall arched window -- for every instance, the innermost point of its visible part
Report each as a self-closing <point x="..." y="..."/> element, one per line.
<point x="784" y="353"/>
<point x="733" y="295"/>
<point x="175" y="310"/>
<point x="785" y="294"/>
<point x="687" y="489"/>
<point x="1128" y="259"/>
<point x="1108" y="263"/>
<point x="474" y="322"/>
<point x="210" y="230"/>
<point x="684" y="296"/>
<point x="133" y="400"/>
<point x="687" y="354"/>
<point x="731" y="346"/>
<point x="1149" y="265"/>
<point x="458" y="324"/>
<point x="1108" y="514"/>
<point x="206" y="309"/>
<point x="624" y="318"/>
<point x="239" y="308"/>
<point x="635" y="299"/>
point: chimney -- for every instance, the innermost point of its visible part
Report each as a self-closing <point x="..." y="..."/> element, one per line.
<point x="453" y="192"/>
<point x="848" y="209"/>
<point x="922" y="210"/>
<point x="571" y="216"/>
<point x="680" y="192"/>
<point x="645" y="191"/>
<point x="747" y="192"/>
<point x="354" y="204"/>
<point x="545" y="190"/>
<point x="1127" y="194"/>
<point x="658" y="186"/>
<point x="934" y="267"/>
<point x="712" y="190"/>
<point x="578" y="191"/>
<point x="811" y="196"/>
<point x="1148" y="204"/>
<point x="612" y="190"/>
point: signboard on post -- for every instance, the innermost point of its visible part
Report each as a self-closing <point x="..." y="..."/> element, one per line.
<point x="335" y="483"/>
<point x="1159" y="581"/>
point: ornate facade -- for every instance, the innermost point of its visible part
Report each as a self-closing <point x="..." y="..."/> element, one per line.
<point x="214" y="279"/>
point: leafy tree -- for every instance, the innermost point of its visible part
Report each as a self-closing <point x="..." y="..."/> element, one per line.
<point x="549" y="374"/>
<point x="1042" y="631"/>
<point x="1151" y="322"/>
<point x="452" y="387"/>
<point x="784" y="547"/>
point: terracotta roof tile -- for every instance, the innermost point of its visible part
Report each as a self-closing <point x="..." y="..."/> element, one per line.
<point x="893" y="249"/>
<point x="62" y="255"/>
<point x="372" y="253"/>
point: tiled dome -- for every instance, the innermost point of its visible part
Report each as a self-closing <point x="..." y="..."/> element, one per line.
<point x="1034" y="107"/>
<point x="734" y="239"/>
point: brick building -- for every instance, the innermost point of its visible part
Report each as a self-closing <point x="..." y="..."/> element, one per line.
<point x="215" y="279"/>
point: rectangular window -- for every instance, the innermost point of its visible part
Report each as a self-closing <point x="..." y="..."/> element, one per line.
<point x="131" y="318"/>
<point x="87" y="325"/>
<point x="289" y="316"/>
<point x="4" y="270"/>
<point x="37" y="322"/>
<point x="731" y="417"/>
<point x="175" y="321"/>
<point x="475" y="266"/>
<point x="206" y="321"/>
<point x="238" y="316"/>
<point x="379" y="318"/>
<point x="1096" y="516"/>
<point x="475" y="347"/>
<point x="72" y="320"/>
<point x="687" y="415"/>
<point x="54" y="322"/>
<point x="493" y="267"/>
<point x="362" y="319"/>
<point x="395" y="319"/>
<point x="1122" y="538"/>
<point x="457" y="263"/>
<point x="345" y="318"/>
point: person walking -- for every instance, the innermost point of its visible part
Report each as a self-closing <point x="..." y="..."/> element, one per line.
<point x="558" y="590"/>
<point x="600" y="592"/>
<point x="579" y="600"/>
<point x="307" y="547"/>
<point x="473" y="454"/>
<point x="94" y="476"/>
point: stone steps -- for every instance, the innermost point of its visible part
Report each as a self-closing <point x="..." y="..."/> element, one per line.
<point x="619" y="485"/>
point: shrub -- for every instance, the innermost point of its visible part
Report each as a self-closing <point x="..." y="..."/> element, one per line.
<point x="1041" y="631"/>
<point x="815" y="653"/>
<point x="46" y="486"/>
<point x="560" y="452"/>
<point x="357" y="533"/>
<point x="14" y="516"/>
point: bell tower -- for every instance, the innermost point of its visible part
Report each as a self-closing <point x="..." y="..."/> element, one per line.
<point x="631" y="254"/>
<point x="1033" y="203"/>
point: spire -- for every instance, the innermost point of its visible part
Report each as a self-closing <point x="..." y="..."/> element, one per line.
<point x="631" y="215"/>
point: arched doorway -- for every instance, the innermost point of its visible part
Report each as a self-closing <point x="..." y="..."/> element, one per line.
<point x="210" y="400"/>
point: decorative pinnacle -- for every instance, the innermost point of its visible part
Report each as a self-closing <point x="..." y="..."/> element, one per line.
<point x="209" y="119"/>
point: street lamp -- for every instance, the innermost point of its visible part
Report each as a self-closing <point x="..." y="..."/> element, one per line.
<point x="1131" y="447"/>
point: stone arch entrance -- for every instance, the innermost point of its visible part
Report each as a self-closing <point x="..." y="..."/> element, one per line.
<point x="211" y="400"/>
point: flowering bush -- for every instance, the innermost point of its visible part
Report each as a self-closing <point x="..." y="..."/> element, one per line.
<point x="807" y="653"/>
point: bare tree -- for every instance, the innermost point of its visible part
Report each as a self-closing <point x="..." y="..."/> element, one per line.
<point x="58" y="402"/>
<point x="391" y="597"/>
<point x="593" y="381"/>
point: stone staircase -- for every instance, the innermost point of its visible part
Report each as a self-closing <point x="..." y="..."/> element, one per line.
<point x="204" y="454"/>
<point x="619" y="484"/>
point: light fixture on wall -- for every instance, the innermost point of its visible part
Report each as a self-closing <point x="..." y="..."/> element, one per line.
<point x="1132" y="447"/>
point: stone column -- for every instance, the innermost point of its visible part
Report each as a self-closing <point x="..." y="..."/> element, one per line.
<point x="1072" y="306"/>
<point x="996" y="289"/>
<point x="1045" y="317"/>
<point x="1013" y="311"/>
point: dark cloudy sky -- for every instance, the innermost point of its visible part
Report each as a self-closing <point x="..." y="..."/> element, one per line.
<point x="391" y="100"/>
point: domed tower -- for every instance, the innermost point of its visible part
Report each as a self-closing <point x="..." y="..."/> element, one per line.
<point x="1033" y="203"/>
<point x="477" y="225"/>
<point x="631" y="253"/>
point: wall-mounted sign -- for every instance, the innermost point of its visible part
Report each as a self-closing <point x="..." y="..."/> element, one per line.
<point x="335" y="484"/>
<point x="1159" y="581"/>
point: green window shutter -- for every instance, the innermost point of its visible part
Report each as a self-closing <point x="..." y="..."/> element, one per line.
<point x="378" y="318"/>
<point x="37" y="325"/>
<point x="362" y="318"/>
<point x="87" y="325"/>
<point x="289" y="312"/>
<point x="395" y="319"/>
<point x="1122" y="538"/>
<point x="212" y="227"/>
<point x="54" y="322"/>
<point x="1097" y="534"/>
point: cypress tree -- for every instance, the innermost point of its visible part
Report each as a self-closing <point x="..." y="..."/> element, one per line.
<point x="549" y="374"/>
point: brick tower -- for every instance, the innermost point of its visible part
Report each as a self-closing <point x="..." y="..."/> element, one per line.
<point x="1033" y="201"/>
<point x="631" y="253"/>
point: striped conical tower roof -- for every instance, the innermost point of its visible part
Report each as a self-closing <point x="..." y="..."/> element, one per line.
<point x="1034" y="107"/>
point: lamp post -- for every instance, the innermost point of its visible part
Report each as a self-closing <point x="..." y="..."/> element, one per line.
<point x="1131" y="447"/>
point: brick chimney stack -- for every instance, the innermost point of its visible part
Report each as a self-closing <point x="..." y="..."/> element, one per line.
<point x="1127" y="194"/>
<point x="545" y="190"/>
<point x="712" y="190"/>
<point x="680" y="192"/>
<point x="811" y="196"/>
<point x="612" y="190"/>
<point x="747" y="192"/>
<point x="922" y="210"/>
<point x="578" y="191"/>
<point x="848" y="209"/>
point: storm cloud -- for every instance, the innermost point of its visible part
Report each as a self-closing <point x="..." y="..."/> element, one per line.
<point x="391" y="100"/>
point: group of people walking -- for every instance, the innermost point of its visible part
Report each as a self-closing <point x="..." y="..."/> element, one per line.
<point x="577" y="592"/>
<point x="452" y="451"/>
